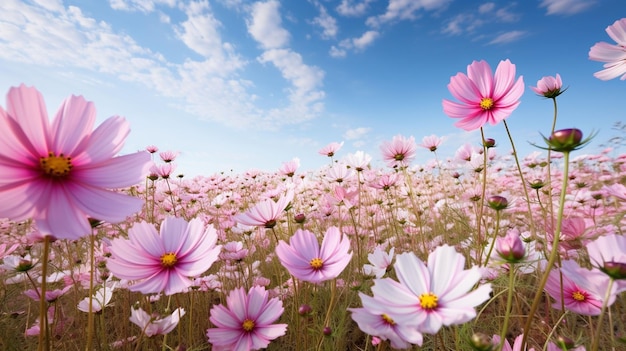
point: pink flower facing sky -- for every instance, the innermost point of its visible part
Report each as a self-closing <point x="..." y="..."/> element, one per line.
<point x="59" y="172"/>
<point x="399" y="152"/>
<point x="306" y="260"/>
<point x="549" y="86"/>
<point x="614" y="55"/>
<point x="152" y="326"/>
<point x="247" y="321"/>
<point x="266" y="212"/>
<point x="427" y="297"/>
<point x="165" y="261"/>
<point x="483" y="97"/>
<point x="331" y="149"/>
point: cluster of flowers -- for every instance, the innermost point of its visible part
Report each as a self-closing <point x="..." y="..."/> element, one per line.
<point x="66" y="177"/>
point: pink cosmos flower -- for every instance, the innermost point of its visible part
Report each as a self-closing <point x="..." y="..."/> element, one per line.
<point x="246" y="323"/>
<point x="58" y="172"/>
<point x="484" y="97"/>
<point x="331" y="149"/>
<point x="399" y="152"/>
<point x="373" y="320"/>
<point x="608" y="254"/>
<point x="549" y="86"/>
<point x="358" y="160"/>
<point x="289" y="168"/>
<point x="427" y="297"/>
<point x="617" y="190"/>
<point x="431" y="142"/>
<point x="152" y="326"/>
<point x="583" y="289"/>
<point x="613" y="54"/>
<point x="506" y="346"/>
<point x="305" y="260"/>
<point x="380" y="261"/>
<point x="165" y="261"/>
<point x="266" y="212"/>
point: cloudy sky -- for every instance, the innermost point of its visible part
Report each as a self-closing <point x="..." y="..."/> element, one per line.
<point x="238" y="84"/>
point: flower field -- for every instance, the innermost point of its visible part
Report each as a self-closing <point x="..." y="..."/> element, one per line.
<point x="484" y="251"/>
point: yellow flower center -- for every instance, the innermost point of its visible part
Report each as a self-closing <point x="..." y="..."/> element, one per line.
<point x="248" y="325"/>
<point x="578" y="296"/>
<point x="428" y="301"/>
<point x="168" y="260"/>
<point x="316" y="263"/>
<point x="486" y="103"/>
<point x="388" y="319"/>
<point x="56" y="166"/>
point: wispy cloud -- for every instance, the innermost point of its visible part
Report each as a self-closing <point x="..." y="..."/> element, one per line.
<point x="508" y="37"/>
<point x="406" y="10"/>
<point x="326" y="22"/>
<point x="138" y="5"/>
<point x="356" y="133"/>
<point x="353" y="8"/>
<point x="211" y="86"/>
<point x="487" y="13"/>
<point x="354" y="44"/>
<point x="566" y="7"/>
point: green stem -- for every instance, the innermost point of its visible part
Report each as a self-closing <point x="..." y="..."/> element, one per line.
<point x="44" y="338"/>
<point x="521" y="175"/>
<point x="90" y="320"/>
<point x="509" y="303"/>
<point x="553" y="254"/>
<point x="596" y="337"/>
<point x="495" y="237"/>
<point x="481" y="206"/>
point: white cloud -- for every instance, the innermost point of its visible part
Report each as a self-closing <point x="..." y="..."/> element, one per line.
<point x="350" y="8"/>
<point x="265" y="25"/>
<point x="337" y="52"/>
<point x="211" y="88"/>
<point x="566" y="7"/>
<point x="365" y="40"/>
<point x="470" y="22"/>
<point x="327" y="22"/>
<point x="508" y="37"/>
<point x="356" y="133"/>
<point x="144" y="6"/>
<point x="406" y="10"/>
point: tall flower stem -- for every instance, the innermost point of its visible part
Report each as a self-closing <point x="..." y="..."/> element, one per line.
<point x="44" y="338"/>
<point x="521" y="175"/>
<point x="90" y="316"/>
<point x="509" y="303"/>
<point x="495" y="236"/>
<point x="596" y="337"/>
<point x="481" y="206"/>
<point x="333" y="291"/>
<point x="555" y="250"/>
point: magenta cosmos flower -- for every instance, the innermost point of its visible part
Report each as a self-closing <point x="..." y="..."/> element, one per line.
<point x="58" y="172"/>
<point x="165" y="261"/>
<point x="247" y="322"/>
<point x="427" y="297"/>
<point x="613" y="54"/>
<point x="484" y="97"/>
<point x="305" y="260"/>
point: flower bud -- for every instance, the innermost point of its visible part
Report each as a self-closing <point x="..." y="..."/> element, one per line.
<point x="300" y="218"/>
<point x="511" y="248"/>
<point x="565" y="343"/>
<point x="537" y="184"/>
<point x="304" y="310"/>
<point x="489" y="143"/>
<point x="615" y="270"/>
<point x="481" y="342"/>
<point x="497" y="202"/>
<point x="327" y="331"/>
<point x="566" y="140"/>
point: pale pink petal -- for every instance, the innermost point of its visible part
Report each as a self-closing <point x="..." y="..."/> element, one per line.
<point x="116" y="172"/>
<point x="105" y="141"/>
<point x="102" y="204"/>
<point x="27" y="107"/>
<point x="73" y="121"/>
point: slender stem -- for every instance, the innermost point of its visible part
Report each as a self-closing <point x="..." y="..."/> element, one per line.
<point x="521" y="175"/>
<point x="482" y="200"/>
<point x="495" y="236"/>
<point x="509" y="302"/>
<point x="44" y="339"/>
<point x="553" y="254"/>
<point x="90" y="316"/>
<point x="333" y="286"/>
<point x="607" y="295"/>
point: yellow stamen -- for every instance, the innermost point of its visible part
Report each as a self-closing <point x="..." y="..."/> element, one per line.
<point x="168" y="260"/>
<point x="56" y="166"/>
<point x="486" y="103"/>
<point x="388" y="319"/>
<point x="578" y="296"/>
<point x="316" y="263"/>
<point x="248" y="325"/>
<point x="428" y="301"/>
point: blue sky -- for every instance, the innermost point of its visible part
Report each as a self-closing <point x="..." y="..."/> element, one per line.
<point x="237" y="84"/>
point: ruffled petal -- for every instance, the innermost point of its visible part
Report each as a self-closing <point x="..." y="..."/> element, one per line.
<point x="73" y="122"/>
